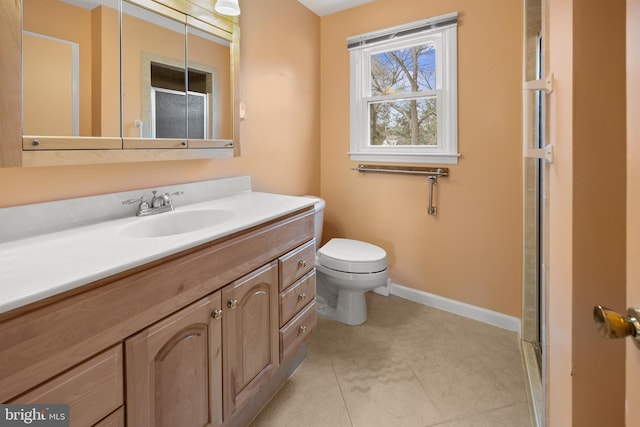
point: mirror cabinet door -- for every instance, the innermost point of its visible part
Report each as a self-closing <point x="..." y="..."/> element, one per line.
<point x="71" y="73"/>
<point x="154" y="78"/>
<point x="210" y="113"/>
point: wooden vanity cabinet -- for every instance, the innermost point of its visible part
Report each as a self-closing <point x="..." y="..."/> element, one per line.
<point x="195" y="339"/>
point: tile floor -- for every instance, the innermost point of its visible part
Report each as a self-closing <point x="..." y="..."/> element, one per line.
<point x="408" y="365"/>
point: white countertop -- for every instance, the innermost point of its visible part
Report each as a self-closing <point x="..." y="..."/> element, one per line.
<point x="41" y="266"/>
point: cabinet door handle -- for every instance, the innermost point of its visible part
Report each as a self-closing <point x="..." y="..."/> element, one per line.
<point x="232" y="304"/>
<point x="217" y="314"/>
<point x="302" y="263"/>
<point x="302" y="330"/>
<point x="302" y="296"/>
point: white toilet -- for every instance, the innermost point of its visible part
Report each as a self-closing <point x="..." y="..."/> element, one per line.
<point x="345" y="270"/>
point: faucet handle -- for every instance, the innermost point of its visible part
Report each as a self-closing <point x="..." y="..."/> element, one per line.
<point x="142" y="200"/>
<point x="143" y="207"/>
<point x="167" y="197"/>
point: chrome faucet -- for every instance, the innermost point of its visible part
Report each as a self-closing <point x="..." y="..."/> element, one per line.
<point x="159" y="203"/>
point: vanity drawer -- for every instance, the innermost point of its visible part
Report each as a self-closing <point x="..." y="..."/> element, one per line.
<point x="116" y="419"/>
<point x="297" y="330"/>
<point x="297" y="296"/>
<point x="296" y="263"/>
<point x="92" y="389"/>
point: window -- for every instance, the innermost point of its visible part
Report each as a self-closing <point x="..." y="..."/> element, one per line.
<point x="404" y="93"/>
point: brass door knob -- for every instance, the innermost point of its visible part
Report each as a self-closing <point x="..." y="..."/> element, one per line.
<point x="232" y="304"/>
<point x="302" y="263"/>
<point x="611" y="324"/>
<point x="302" y="296"/>
<point x="217" y="314"/>
<point x="302" y="329"/>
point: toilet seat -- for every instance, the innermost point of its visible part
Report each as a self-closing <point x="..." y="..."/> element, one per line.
<point x="352" y="256"/>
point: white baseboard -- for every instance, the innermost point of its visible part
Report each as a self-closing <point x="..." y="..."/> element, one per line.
<point x="383" y="290"/>
<point x="460" y="308"/>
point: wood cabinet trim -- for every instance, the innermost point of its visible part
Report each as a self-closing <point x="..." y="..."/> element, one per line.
<point x="10" y="84"/>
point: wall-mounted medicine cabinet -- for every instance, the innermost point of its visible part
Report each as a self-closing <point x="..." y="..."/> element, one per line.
<point x="102" y="81"/>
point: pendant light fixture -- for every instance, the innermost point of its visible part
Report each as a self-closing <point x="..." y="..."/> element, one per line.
<point x="228" y="7"/>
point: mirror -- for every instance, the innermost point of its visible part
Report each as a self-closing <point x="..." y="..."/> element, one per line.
<point x="153" y="77"/>
<point x="210" y="112"/>
<point x="114" y="75"/>
<point x="71" y="68"/>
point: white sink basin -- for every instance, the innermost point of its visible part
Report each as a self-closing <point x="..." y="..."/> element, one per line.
<point x="176" y="222"/>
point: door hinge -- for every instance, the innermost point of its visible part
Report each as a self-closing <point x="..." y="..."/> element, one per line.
<point x="545" y="84"/>
<point x="545" y="153"/>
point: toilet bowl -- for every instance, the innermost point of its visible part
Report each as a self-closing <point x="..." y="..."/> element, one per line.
<point x="345" y="270"/>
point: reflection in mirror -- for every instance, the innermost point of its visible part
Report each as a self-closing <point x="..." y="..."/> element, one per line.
<point x="209" y="107"/>
<point x="153" y="75"/>
<point x="71" y="68"/>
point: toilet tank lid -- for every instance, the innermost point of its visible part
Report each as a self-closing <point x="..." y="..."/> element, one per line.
<point x="319" y="203"/>
<point x="352" y="256"/>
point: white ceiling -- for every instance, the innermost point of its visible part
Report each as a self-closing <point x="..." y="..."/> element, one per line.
<point x="327" y="7"/>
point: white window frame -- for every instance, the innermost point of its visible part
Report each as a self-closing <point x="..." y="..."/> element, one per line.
<point x="444" y="38"/>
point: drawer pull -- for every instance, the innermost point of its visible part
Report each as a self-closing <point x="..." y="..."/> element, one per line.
<point x="217" y="314"/>
<point x="302" y="263"/>
<point x="232" y="304"/>
<point x="302" y="330"/>
<point x="302" y="296"/>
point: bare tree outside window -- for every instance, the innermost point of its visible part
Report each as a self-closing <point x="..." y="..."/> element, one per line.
<point x="402" y="107"/>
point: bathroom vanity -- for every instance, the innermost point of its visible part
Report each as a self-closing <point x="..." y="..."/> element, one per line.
<point x="204" y="333"/>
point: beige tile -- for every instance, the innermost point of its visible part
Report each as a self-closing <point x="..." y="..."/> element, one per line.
<point x="408" y="365"/>
<point x="310" y="398"/>
<point x="429" y="328"/>
<point x="463" y="380"/>
<point x="383" y="391"/>
<point x="511" y="416"/>
<point x="333" y="341"/>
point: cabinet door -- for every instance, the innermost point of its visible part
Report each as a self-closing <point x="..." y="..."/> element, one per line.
<point x="250" y="349"/>
<point x="174" y="369"/>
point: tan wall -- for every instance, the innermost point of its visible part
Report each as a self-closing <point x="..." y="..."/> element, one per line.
<point x="470" y="252"/>
<point x="279" y="138"/>
<point x="587" y="214"/>
<point x="37" y="15"/>
<point x="106" y="72"/>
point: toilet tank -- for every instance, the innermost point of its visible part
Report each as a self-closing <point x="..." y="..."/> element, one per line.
<point x="319" y="209"/>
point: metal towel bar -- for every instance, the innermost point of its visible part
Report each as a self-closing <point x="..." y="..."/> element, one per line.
<point x="432" y="173"/>
<point x="409" y="170"/>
